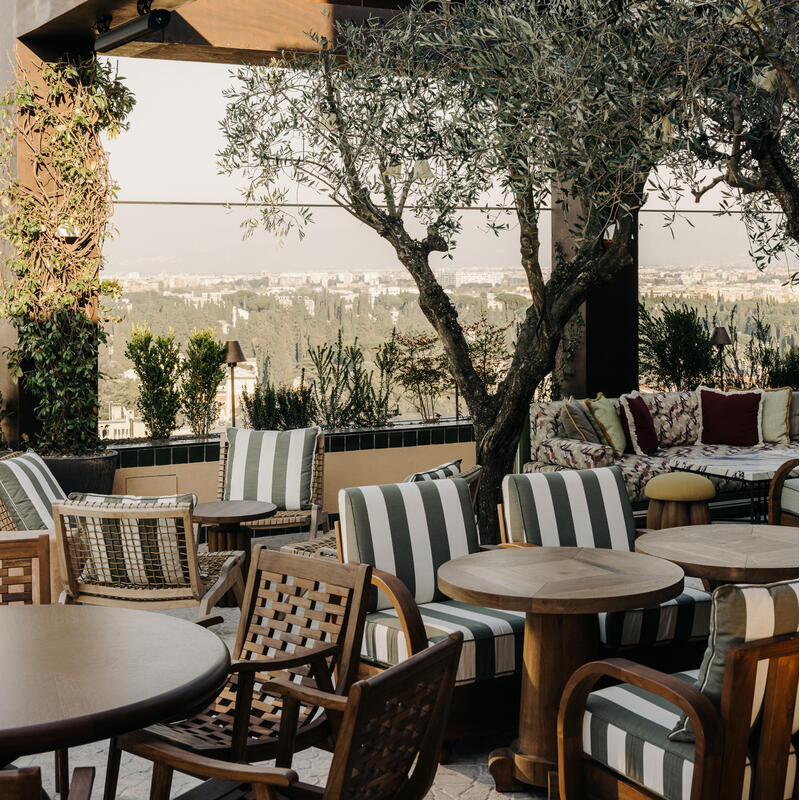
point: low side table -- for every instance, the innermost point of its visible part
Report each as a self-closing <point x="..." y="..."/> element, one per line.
<point x="561" y="589"/>
<point x="727" y="553"/>
<point x="227" y="532"/>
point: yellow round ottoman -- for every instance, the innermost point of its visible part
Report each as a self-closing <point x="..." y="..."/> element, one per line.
<point x="678" y="499"/>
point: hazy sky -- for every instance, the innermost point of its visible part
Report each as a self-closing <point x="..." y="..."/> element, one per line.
<point x="169" y="154"/>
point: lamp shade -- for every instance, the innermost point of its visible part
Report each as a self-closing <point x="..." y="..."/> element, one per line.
<point x="720" y="337"/>
<point x="233" y="353"/>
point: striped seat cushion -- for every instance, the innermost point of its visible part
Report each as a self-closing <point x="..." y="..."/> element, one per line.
<point x="408" y="530"/>
<point x="626" y="729"/>
<point x="447" y="470"/>
<point x="134" y="552"/>
<point x="28" y="490"/>
<point x="492" y="639"/>
<point x="743" y="613"/>
<point x="271" y="466"/>
<point x="581" y="507"/>
<point x="682" y="619"/>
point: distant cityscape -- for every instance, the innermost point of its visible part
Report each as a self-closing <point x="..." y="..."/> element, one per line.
<point x="276" y="316"/>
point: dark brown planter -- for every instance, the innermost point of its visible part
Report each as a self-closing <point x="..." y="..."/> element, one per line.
<point x="90" y="473"/>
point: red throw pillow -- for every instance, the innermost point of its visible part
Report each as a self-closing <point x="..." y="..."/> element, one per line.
<point x="637" y="421"/>
<point x="730" y="417"/>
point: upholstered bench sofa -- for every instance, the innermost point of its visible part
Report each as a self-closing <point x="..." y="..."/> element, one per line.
<point x="676" y="417"/>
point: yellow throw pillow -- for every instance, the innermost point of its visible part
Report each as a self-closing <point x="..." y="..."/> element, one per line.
<point x="606" y="420"/>
<point x="775" y="408"/>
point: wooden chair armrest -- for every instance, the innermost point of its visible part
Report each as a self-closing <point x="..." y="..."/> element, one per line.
<point x="203" y="767"/>
<point x="406" y="608"/>
<point x="307" y="695"/>
<point x="776" y="488"/>
<point x="80" y="787"/>
<point x="705" y="719"/>
<point x="208" y="620"/>
<point x="302" y="655"/>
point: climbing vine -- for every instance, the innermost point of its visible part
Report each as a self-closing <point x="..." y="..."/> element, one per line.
<point x="55" y="212"/>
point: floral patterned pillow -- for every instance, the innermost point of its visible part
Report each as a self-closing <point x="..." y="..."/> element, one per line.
<point x="676" y="416"/>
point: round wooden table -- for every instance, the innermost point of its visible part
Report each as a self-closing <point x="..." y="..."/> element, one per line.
<point x="727" y="553"/>
<point x="227" y="532"/>
<point x="561" y="589"/>
<point x="78" y="674"/>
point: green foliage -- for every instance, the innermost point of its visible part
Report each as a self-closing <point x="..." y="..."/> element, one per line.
<point x="279" y="409"/>
<point x="56" y="358"/>
<point x="488" y="350"/>
<point x="56" y="223"/>
<point x="784" y="371"/>
<point x="332" y="363"/>
<point x="421" y="370"/>
<point x="157" y="362"/>
<point x="203" y="371"/>
<point x="675" y="349"/>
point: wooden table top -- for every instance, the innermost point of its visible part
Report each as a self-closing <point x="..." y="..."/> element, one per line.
<point x="560" y="580"/>
<point x="78" y="674"/>
<point x="743" y="553"/>
<point x="232" y="511"/>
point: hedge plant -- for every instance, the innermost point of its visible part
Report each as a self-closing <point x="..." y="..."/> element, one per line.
<point x="203" y="372"/>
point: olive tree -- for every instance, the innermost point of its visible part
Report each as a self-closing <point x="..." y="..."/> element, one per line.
<point x="402" y="124"/>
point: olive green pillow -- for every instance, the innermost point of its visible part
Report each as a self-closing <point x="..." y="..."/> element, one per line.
<point x="606" y="422"/>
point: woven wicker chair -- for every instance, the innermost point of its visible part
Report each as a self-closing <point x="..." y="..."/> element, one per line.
<point x="121" y="556"/>
<point x="314" y="518"/>
<point x="26" y="784"/>
<point x="302" y="620"/>
<point x="387" y="747"/>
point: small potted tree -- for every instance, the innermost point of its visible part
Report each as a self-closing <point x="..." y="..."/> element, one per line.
<point x="203" y="371"/>
<point x="56" y="221"/>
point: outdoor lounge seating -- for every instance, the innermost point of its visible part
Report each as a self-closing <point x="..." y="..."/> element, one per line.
<point x="727" y="734"/>
<point x="590" y="508"/>
<point x="118" y="550"/>
<point x="292" y="513"/>
<point x="389" y="738"/>
<point x="783" y="496"/>
<point x="301" y="620"/>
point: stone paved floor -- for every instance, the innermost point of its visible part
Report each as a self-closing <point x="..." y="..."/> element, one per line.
<point x="466" y="776"/>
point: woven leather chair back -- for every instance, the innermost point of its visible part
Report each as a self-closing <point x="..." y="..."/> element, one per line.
<point x="391" y="734"/>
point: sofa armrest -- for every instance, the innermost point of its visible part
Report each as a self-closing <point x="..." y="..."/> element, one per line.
<point x="574" y="454"/>
<point x="406" y="608"/>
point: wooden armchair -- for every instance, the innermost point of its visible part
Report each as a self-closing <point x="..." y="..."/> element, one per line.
<point x="24" y="569"/>
<point x="315" y="518"/>
<point x="718" y="764"/>
<point x="140" y="554"/>
<point x="26" y="784"/>
<point x="782" y="498"/>
<point x="302" y="620"/>
<point x="387" y="747"/>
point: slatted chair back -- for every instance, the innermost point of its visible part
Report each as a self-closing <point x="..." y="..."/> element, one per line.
<point x="317" y="471"/>
<point x="391" y="732"/>
<point x="408" y="530"/>
<point x="293" y="602"/>
<point x="581" y="507"/>
<point x="112" y="555"/>
<point x="24" y="570"/>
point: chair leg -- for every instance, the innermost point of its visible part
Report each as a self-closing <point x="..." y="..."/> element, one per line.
<point x="62" y="773"/>
<point x="161" y="782"/>
<point x="112" y="770"/>
<point x="325" y="522"/>
<point x="313" y="528"/>
<point x="238" y="586"/>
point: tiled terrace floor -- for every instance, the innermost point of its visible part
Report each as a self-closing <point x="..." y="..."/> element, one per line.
<point x="466" y="776"/>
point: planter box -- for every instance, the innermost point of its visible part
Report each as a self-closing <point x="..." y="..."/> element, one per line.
<point x="352" y="458"/>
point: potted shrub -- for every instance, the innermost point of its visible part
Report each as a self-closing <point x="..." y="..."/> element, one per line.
<point x="56" y="222"/>
<point x="203" y="371"/>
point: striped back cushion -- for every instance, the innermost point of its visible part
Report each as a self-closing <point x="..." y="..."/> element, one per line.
<point x="573" y="508"/>
<point x="271" y="466"/>
<point x="447" y="470"/>
<point x="149" y="552"/>
<point x="409" y="530"/>
<point x="28" y="490"/>
<point x="743" y="613"/>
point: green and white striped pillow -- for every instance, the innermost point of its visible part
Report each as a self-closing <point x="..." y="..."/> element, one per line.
<point x="271" y="466"/>
<point x="576" y="507"/>
<point x="408" y="530"/>
<point x="28" y="490"/>
<point x="137" y="552"/>
<point x="742" y="613"/>
<point x="447" y="470"/>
